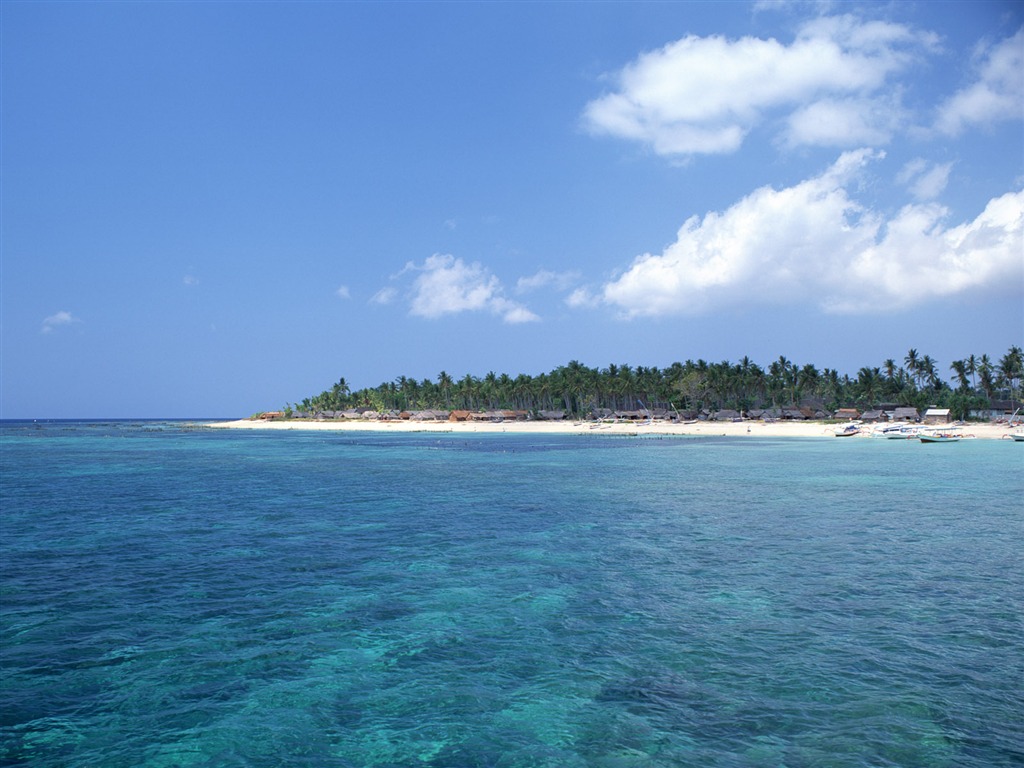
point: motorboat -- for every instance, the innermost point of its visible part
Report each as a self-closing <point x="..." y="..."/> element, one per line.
<point x="896" y="432"/>
<point x="943" y="436"/>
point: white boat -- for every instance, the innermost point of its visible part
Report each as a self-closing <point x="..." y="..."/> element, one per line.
<point x="847" y="430"/>
<point x="952" y="435"/>
<point x="895" y="432"/>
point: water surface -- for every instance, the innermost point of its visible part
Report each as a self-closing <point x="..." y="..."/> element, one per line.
<point x="182" y="597"/>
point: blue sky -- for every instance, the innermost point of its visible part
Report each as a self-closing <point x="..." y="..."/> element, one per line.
<point x="210" y="209"/>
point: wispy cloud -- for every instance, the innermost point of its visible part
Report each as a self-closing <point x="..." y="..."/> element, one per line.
<point x="384" y="296"/>
<point x="703" y="95"/>
<point x="545" y="278"/>
<point x="58" y="320"/>
<point x="997" y="93"/>
<point x="446" y="285"/>
<point x="190" y="280"/>
<point x="925" y="181"/>
<point x="813" y="242"/>
<point x="343" y="292"/>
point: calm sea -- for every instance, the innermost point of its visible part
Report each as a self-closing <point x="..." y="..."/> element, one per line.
<point x="187" y="597"/>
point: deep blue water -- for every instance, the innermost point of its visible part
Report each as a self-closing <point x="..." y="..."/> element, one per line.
<point x="182" y="597"/>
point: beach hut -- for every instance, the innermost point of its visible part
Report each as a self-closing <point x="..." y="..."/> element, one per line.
<point x="727" y="414"/>
<point x="905" y="414"/>
<point x="999" y="410"/>
<point x="873" y="417"/>
<point x="430" y="415"/>
<point x="458" y="416"/>
<point x="937" y="416"/>
<point x="847" y="414"/>
<point x="630" y="415"/>
<point x="551" y="415"/>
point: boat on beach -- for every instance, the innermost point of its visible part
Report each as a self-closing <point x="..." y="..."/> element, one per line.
<point x="943" y="436"/>
<point x="896" y="432"/>
<point x="847" y="430"/>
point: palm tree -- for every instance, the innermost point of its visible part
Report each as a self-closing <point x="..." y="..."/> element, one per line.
<point x="809" y="377"/>
<point x="868" y="380"/>
<point x="929" y="373"/>
<point x="959" y="367"/>
<point x="467" y="390"/>
<point x="986" y="371"/>
<point x="1011" y="369"/>
<point x="444" y="383"/>
<point x="913" y="364"/>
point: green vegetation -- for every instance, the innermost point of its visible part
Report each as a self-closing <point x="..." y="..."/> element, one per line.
<point x="693" y="386"/>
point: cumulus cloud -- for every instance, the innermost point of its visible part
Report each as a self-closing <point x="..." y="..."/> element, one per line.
<point x="813" y="242"/>
<point x="844" y="122"/>
<point x="446" y="285"/>
<point x="58" y="320"/>
<point x="996" y="94"/>
<point x="702" y="95"/>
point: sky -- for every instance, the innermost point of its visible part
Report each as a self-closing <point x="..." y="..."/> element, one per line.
<point x="211" y="209"/>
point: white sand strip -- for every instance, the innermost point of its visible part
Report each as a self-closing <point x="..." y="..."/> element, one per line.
<point x="701" y="428"/>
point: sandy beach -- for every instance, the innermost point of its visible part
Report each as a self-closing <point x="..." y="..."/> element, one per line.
<point x="753" y="429"/>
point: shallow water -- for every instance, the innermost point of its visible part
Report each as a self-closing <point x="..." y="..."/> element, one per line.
<point x="181" y="597"/>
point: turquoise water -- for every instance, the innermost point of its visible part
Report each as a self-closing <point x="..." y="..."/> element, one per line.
<point x="181" y="597"/>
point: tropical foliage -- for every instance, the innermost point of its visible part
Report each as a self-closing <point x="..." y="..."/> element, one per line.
<point x="698" y="385"/>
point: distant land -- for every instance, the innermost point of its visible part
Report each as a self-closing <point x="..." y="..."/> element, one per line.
<point x="979" y="387"/>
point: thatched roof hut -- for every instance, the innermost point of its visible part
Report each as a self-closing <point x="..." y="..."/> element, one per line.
<point x="631" y="415"/>
<point x="905" y="414"/>
<point x="429" y="415"/>
<point x="551" y="415"/>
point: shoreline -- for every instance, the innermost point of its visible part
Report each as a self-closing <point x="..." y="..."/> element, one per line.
<point x="754" y="429"/>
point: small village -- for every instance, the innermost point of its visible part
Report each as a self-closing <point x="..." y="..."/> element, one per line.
<point x="1000" y="412"/>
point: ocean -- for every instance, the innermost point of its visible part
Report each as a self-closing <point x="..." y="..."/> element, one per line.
<point x="180" y="596"/>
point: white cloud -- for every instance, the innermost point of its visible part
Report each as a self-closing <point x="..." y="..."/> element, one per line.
<point x="58" y="320"/>
<point x="844" y="122"/>
<point x="190" y="280"/>
<point x="997" y="94"/>
<point x="343" y="292"/>
<point x="447" y="285"/>
<point x="384" y="296"/>
<point x="923" y="182"/>
<point x="582" y="297"/>
<point x="704" y="94"/>
<point x="543" y="278"/>
<point x="813" y="243"/>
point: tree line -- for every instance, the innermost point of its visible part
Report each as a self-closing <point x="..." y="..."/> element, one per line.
<point x="693" y="386"/>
